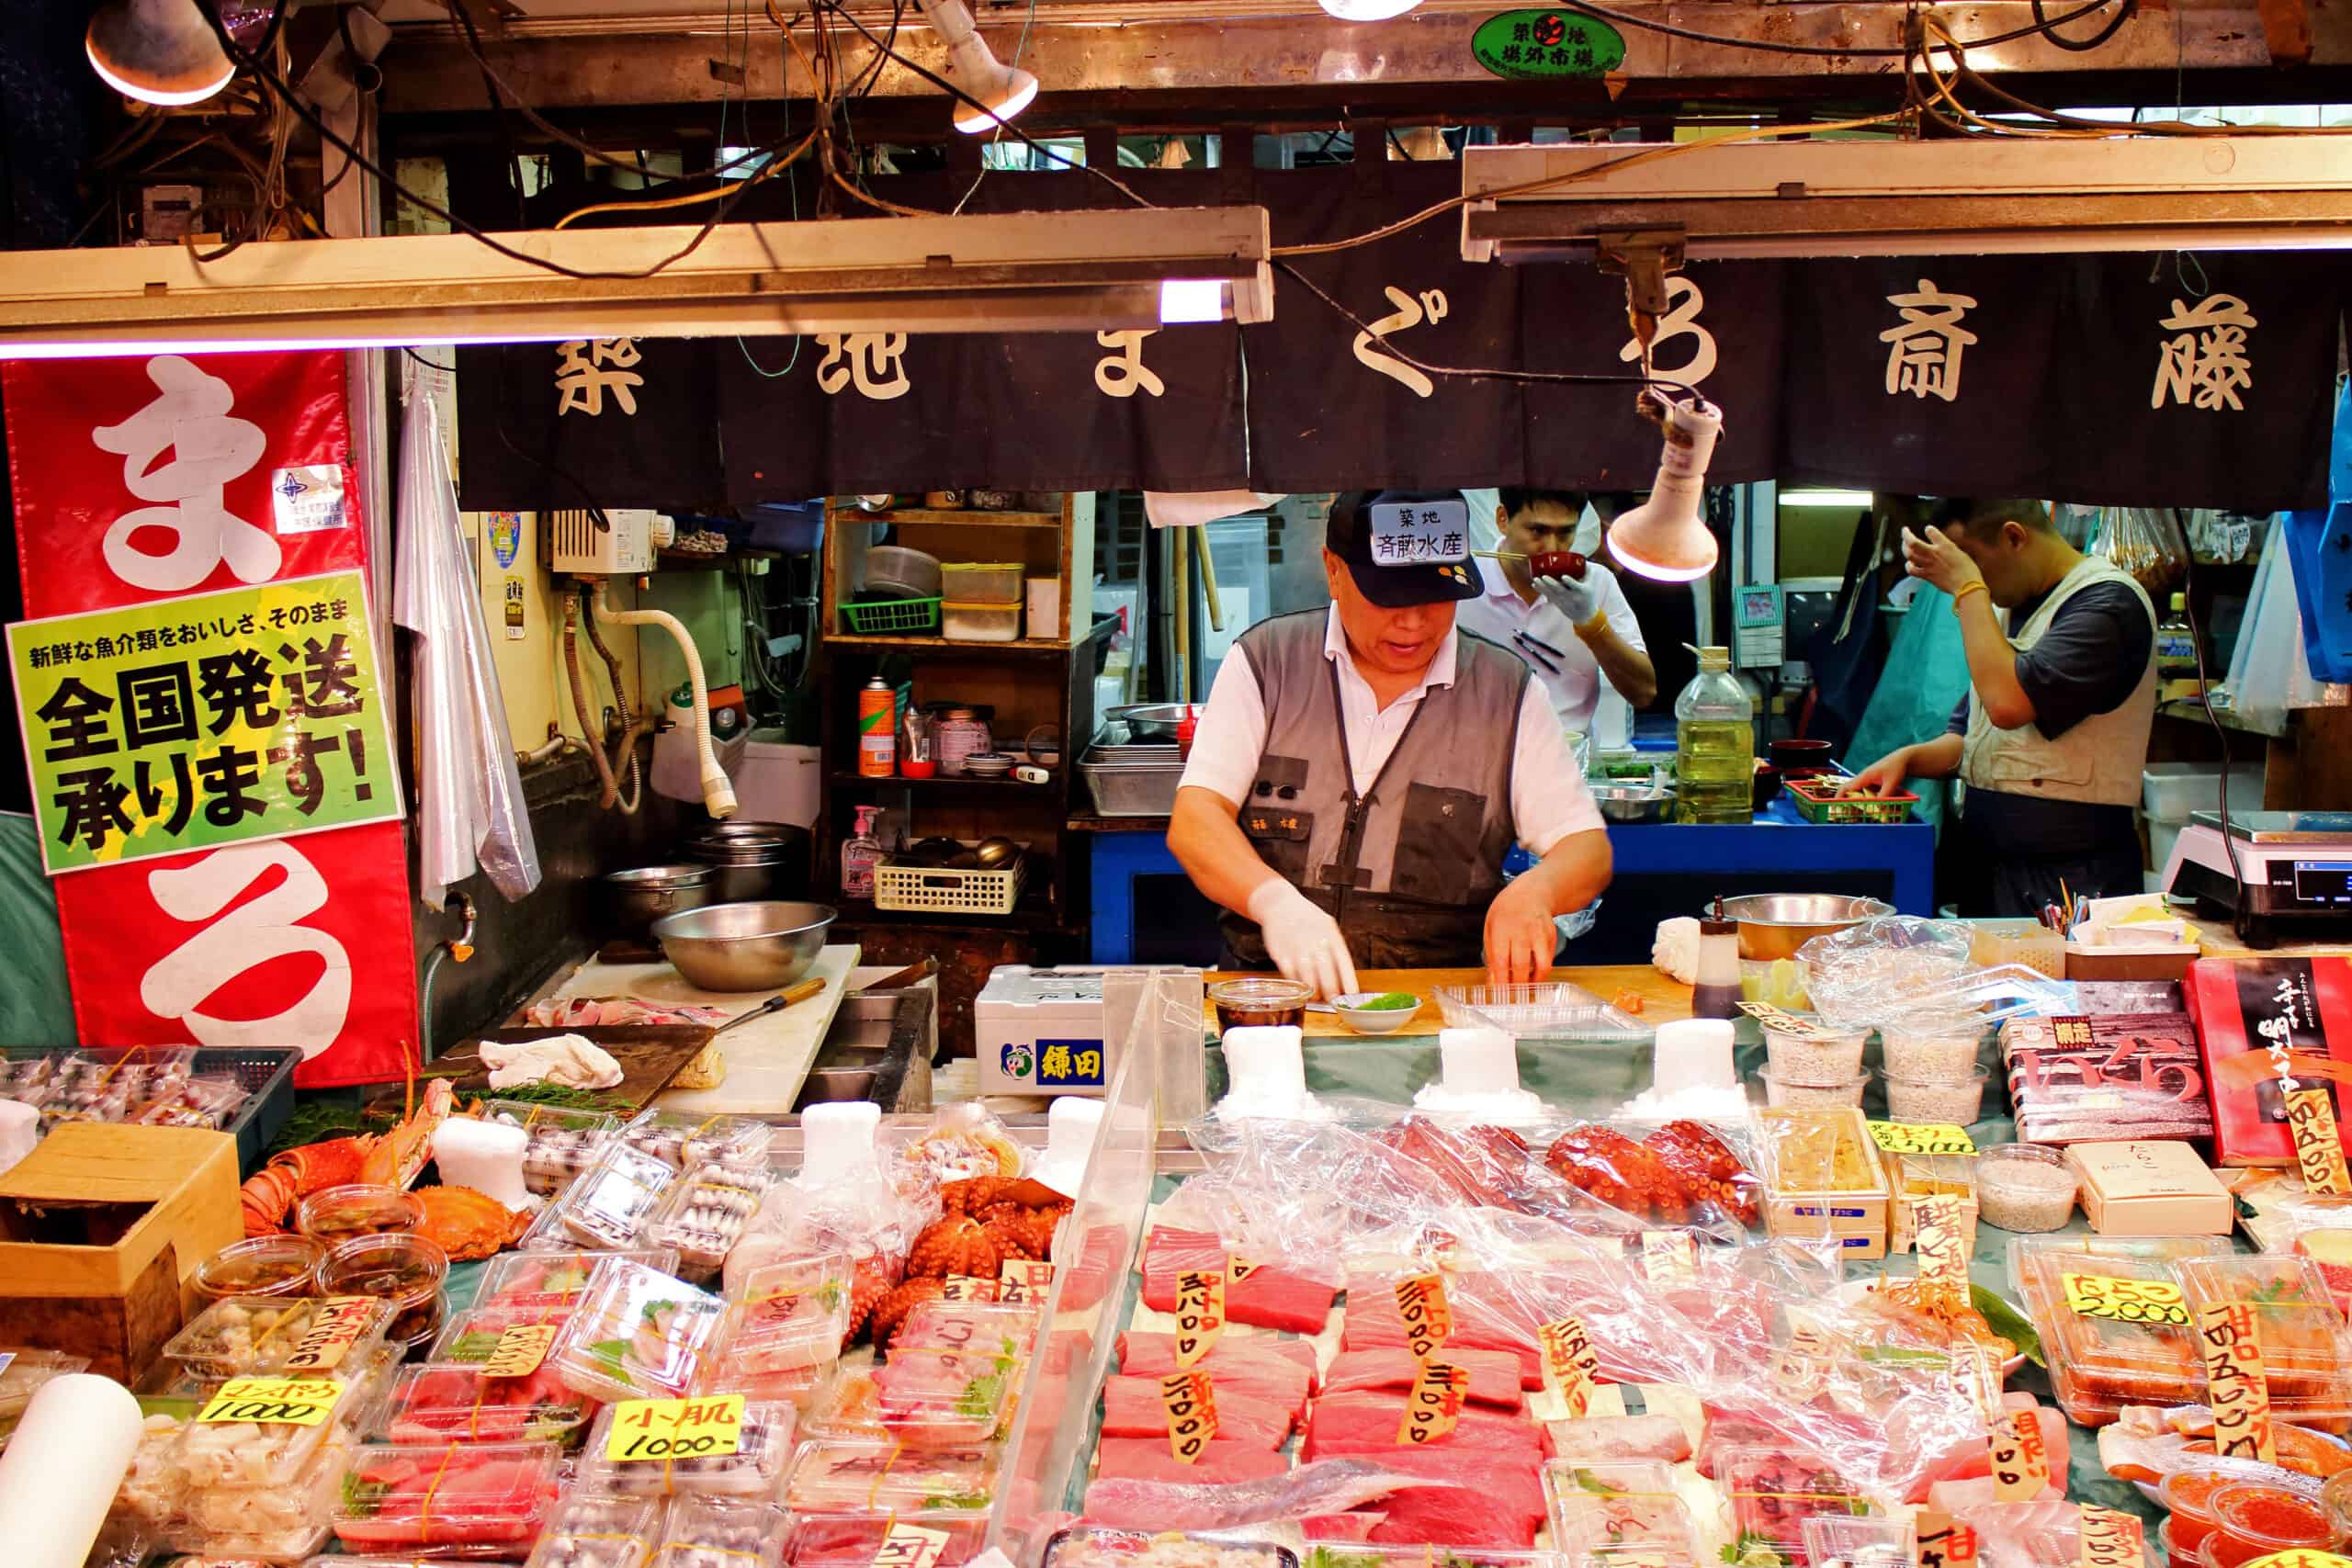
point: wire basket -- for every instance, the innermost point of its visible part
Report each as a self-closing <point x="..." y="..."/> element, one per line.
<point x="1821" y="800"/>
<point x="878" y="618"/>
<point x="1550" y="1010"/>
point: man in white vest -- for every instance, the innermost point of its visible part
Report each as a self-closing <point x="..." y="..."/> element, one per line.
<point x="2053" y="735"/>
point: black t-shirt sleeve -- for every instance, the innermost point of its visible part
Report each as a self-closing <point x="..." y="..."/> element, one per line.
<point x="2090" y="660"/>
<point x="1958" y="723"/>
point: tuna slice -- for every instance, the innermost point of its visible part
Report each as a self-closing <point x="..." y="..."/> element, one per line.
<point x="1449" y="1517"/>
<point x="1277" y="1380"/>
<point x="1357" y="1526"/>
<point x="1510" y="1484"/>
<point x="1132" y="1408"/>
<point x="1276" y="1296"/>
<point x="1494" y="1375"/>
<point x="1148" y="1459"/>
<point x="1154" y="1355"/>
<point x="1374" y="1323"/>
<point x="1366" y="1424"/>
<point x="1333" y="1487"/>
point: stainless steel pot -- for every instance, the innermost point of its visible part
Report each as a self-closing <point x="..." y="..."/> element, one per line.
<point x="1774" y="925"/>
<point x="744" y="947"/>
<point x="645" y="894"/>
<point x="753" y="861"/>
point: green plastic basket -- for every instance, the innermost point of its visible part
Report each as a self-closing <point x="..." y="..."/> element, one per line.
<point x="879" y="617"/>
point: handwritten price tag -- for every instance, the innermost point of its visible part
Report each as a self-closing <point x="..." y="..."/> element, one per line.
<point x="2125" y="1301"/>
<point x="339" y="1323"/>
<point x="1189" y="1399"/>
<point x="1922" y="1138"/>
<point x="1944" y="1541"/>
<point x="909" y="1546"/>
<point x="2110" y="1539"/>
<point x="1435" y="1407"/>
<point x="521" y="1347"/>
<point x="676" y="1428"/>
<point x="2020" y="1459"/>
<point x="1420" y="1300"/>
<point x="1570" y="1364"/>
<point x="1943" y="1253"/>
<point x="1803" y="1365"/>
<point x="1669" y="1257"/>
<point x="1200" y="1314"/>
<point x="272" y="1402"/>
<point x="1780" y="1022"/>
<point x="2301" y="1558"/>
<point x="1022" y="1279"/>
<point x="1237" y="1268"/>
<point x="2318" y="1144"/>
<point x="2234" y="1386"/>
<point x="966" y="1288"/>
<point x="1977" y="1379"/>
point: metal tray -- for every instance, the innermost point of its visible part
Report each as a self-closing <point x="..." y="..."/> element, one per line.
<point x="1132" y="781"/>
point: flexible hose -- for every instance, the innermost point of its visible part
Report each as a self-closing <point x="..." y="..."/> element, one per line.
<point x="630" y="730"/>
<point x="718" y="794"/>
<point x="579" y="704"/>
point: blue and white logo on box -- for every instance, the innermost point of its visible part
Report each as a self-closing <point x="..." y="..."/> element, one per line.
<point x="1070" y="1064"/>
<point x="1015" y="1060"/>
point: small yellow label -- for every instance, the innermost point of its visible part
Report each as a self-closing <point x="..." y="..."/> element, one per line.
<point x="1944" y="1541"/>
<point x="2318" y="1144"/>
<point x="1434" y="1406"/>
<point x="1570" y="1364"/>
<point x="1420" y="1300"/>
<point x="1922" y="1138"/>
<point x="1189" y="1399"/>
<point x="2234" y="1387"/>
<point x="1200" y="1314"/>
<point x="1237" y="1268"/>
<point x="1022" y="1279"/>
<point x="2110" y="1539"/>
<point x="676" y="1428"/>
<point x="2125" y="1301"/>
<point x="521" y="1347"/>
<point x="339" y="1323"/>
<point x="272" y="1402"/>
<point x="2020" y="1458"/>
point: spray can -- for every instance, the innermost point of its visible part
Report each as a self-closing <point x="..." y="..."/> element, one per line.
<point x="860" y="855"/>
<point x="877" y="730"/>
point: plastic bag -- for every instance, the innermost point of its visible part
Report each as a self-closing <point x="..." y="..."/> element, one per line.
<point x="1917" y="976"/>
<point x="2268" y="675"/>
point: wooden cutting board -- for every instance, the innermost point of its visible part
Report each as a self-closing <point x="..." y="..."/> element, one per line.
<point x="650" y="1056"/>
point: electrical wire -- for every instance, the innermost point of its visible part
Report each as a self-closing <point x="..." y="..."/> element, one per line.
<point x="428" y="364"/>
<point x="2123" y="14"/>
<point x="2240" y="918"/>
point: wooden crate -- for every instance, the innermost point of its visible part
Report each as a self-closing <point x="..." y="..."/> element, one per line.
<point x="101" y="1227"/>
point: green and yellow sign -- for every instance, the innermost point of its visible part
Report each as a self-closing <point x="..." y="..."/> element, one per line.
<point x="1547" y="46"/>
<point x="252" y="713"/>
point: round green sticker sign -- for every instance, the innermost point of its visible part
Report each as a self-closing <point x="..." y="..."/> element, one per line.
<point x="1544" y="46"/>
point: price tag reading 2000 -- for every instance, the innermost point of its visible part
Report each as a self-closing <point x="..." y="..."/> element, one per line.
<point x="676" y="1428"/>
<point x="2125" y="1301"/>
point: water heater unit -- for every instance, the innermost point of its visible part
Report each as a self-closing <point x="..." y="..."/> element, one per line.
<point x="576" y="545"/>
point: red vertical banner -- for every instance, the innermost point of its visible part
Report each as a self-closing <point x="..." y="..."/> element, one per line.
<point x="138" y="479"/>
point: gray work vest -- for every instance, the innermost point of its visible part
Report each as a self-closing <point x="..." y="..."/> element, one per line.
<point x="1409" y="868"/>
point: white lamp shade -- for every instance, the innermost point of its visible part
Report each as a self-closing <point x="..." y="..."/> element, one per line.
<point x="160" y="52"/>
<point x="1664" y="537"/>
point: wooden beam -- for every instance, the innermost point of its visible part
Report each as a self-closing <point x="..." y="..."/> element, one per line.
<point x="2286" y="30"/>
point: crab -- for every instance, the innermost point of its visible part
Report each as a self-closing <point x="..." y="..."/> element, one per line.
<point x="467" y="1224"/>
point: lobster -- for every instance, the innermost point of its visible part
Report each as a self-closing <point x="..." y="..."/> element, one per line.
<point x="390" y="1160"/>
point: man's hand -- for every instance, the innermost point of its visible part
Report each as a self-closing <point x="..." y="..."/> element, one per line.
<point x="1579" y="599"/>
<point x="1520" y="937"/>
<point x="1937" y="560"/>
<point x="1305" y="942"/>
<point x="1883" y="777"/>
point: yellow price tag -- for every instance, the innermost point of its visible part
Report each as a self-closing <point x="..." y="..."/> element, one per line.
<point x="521" y="1347"/>
<point x="1420" y="1300"/>
<point x="1570" y="1364"/>
<point x="2110" y="1539"/>
<point x="966" y="1288"/>
<point x="1200" y="1314"/>
<point x="676" y="1428"/>
<point x="2236" y="1388"/>
<point x="1922" y="1138"/>
<point x="1237" y="1268"/>
<point x="2319" y="1143"/>
<point x="2301" y="1558"/>
<point x="2020" y="1458"/>
<point x="1189" y="1399"/>
<point x="339" y="1323"/>
<point x="1434" y="1406"/>
<point x="1944" y="1541"/>
<point x="2125" y="1301"/>
<point x="1021" y="1279"/>
<point x="272" y="1402"/>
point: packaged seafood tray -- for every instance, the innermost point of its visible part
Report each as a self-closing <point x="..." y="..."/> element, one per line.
<point x="638" y="1334"/>
<point x="406" y="1270"/>
<point x="945" y="1399"/>
<point x="1094" y="1546"/>
<point x="25" y="1372"/>
<point x="1822" y="1178"/>
<point x="208" y="1099"/>
<point x="608" y="1207"/>
<point x="762" y="1449"/>
<point x="722" y="1532"/>
<point x="243" y="1455"/>
<point x="2117" y="1330"/>
<point x="590" y="1529"/>
<point x="1772" y="1492"/>
<point x="278" y="1521"/>
<point x="682" y="1140"/>
<point x="467" y="1405"/>
<point x="998" y="1328"/>
<point x="2306" y="1349"/>
<point x="564" y="1141"/>
<point x="829" y="1477"/>
<point x="89" y="1086"/>
<point x="848" y="1409"/>
<point x="853" y="1540"/>
<point x="543" y="1279"/>
<point x="1871" y="1542"/>
<point x="2076" y="1248"/>
<point x="784" y="1322"/>
<point x="707" y="1212"/>
<point x="1374" y="1554"/>
<point x="1616" y="1500"/>
<point x="447" y="1500"/>
<point x="473" y="1337"/>
<point x="247" y="1335"/>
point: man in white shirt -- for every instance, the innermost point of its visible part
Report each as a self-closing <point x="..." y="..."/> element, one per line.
<point x="1574" y="633"/>
<point x="1360" y="773"/>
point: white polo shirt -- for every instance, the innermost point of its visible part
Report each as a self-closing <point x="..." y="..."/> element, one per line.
<point x="1548" y="799"/>
<point x="1499" y="616"/>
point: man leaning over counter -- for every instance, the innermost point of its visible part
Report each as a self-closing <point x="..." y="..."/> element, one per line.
<point x="1360" y="773"/>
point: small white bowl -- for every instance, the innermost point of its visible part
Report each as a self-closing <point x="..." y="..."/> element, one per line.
<point x="1373" y="1021"/>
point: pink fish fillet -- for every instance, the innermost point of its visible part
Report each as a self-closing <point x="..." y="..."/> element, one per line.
<point x="1621" y="1436"/>
<point x="1132" y="1408"/>
<point x="1148" y="1459"/>
<point x="1332" y="1486"/>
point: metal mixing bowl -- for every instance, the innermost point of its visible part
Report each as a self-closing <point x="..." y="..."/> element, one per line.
<point x="1634" y="802"/>
<point x="1774" y="925"/>
<point x="644" y="895"/>
<point x="744" y="947"/>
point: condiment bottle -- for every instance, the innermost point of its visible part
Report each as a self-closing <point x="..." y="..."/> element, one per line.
<point x="1716" y="993"/>
<point x="860" y="855"/>
<point x="915" y="760"/>
<point x="960" y="732"/>
<point x="877" y="727"/>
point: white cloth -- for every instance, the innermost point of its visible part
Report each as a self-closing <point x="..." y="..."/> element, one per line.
<point x="573" y="1060"/>
<point x="1548" y="799"/>
<point x="1500" y="613"/>
<point x="1187" y="509"/>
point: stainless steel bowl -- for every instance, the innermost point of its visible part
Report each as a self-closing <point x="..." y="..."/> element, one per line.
<point x="643" y="895"/>
<point x="1153" y="721"/>
<point x="1634" y="802"/>
<point x="1774" y="925"/>
<point x="744" y="947"/>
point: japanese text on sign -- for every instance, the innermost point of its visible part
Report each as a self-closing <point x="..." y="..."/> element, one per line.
<point x="1189" y="1400"/>
<point x="1571" y="1366"/>
<point x="2020" y="1458"/>
<point x="521" y="1347"/>
<point x="1021" y="1279"/>
<point x="272" y="1402"/>
<point x="1421" y="1301"/>
<point x="1803" y="1365"/>
<point x="1978" y="1380"/>
<point x="1922" y="1138"/>
<point x="252" y="713"/>
<point x="339" y="1323"/>
<point x="2234" y="1386"/>
<point x="966" y="1288"/>
<point x="2319" y="1146"/>
<point x="1237" y="1268"/>
<point x="1943" y="1257"/>
<point x="1669" y="1257"/>
<point x="1200" y="1313"/>
<point x="2125" y="1301"/>
<point x="1424" y="532"/>
<point x="676" y="1428"/>
<point x="1944" y="1542"/>
<point x="2110" y="1539"/>
<point x="1433" y="1409"/>
<point x="910" y="1546"/>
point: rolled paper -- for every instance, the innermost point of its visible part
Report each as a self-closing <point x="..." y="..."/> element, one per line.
<point x="62" y="1467"/>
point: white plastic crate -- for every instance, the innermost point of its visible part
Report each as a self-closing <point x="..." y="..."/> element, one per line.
<point x="925" y="889"/>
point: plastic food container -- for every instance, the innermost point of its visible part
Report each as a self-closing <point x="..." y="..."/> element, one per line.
<point x="944" y="1399"/>
<point x="723" y="1532"/>
<point x="406" y="1270"/>
<point x="339" y="1214"/>
<point x="565" y="1142"/>
<point x="1953" y="1100"/>
<point x="880" y="1477"/>
<point x="1094" y="1546"/>
<point x="545" y="1279"/>
<point x="972" y="622"/>
<point x="24" y="1375"/>
<point x="610" y="1205"/>
<point x="683" y="1140"/>
<point x="1261" y="1001"/>
<point x="2098" y="1364"/>
<point x="1779" y="1091"/>
<point x="460" y="1404"/>
<point x="262" y="1266"/>
<point x="854" y="1540"/>
<point x="849" y="1410"/>
<point x="1773" y="1491"/>
<point x="707" y="1212"/>
<point x="752" y="1471"/>
<point x="2336" y="1498"/>
<point x="894" y="572"/>
<point x="785" y="1318"/>
<point x="2025" y="1187"/>
<point x="276" y="1520"/>
<point x="591" y="1531"/>
<point x="2188" y="1494"/>
<point x="247" y="1335"/>
<point x="994" y="583"/>
<point x="2254" y="1518"/>
<point x="1946" y="1052"/>
<point x="1777" y="982"/>
<point x="472" y="1337"/>
<point x="447" y="1499"/>
<point x="1615" y="1499"/>
<point x="996" y="1329"/>
<point x="2306" y="1350"/>
<point x="637" y="1333"/>
<point x="1799" y="1059"/>
<point x="241" y="1455"/>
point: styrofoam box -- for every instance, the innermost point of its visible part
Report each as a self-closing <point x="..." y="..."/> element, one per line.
<point x="1041" y="1032"/>
<point x="2172" y="792"/>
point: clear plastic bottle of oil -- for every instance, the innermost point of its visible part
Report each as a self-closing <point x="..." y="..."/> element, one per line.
<point x="1715" y="744"/>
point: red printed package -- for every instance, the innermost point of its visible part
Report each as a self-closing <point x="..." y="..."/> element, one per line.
<point x="2259" y="1022"/>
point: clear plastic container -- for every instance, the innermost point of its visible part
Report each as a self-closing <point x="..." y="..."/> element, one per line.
<point x="1779" y="1091"/>
<point x="472" y="1337"/>
<point x="2188" y="1495"/>
<point x="207" y="1101"/>
<point x="1817" y="1149"/>
<point x="854" y="1540"/>
<point x="1955" y="1101"/>
<point x="563" y="1142"/>
<point x="859" y="1477"/>
<point x="981" y="623"/>
<point x="1095" y="1546"/>
<point x="707" y="1212"/>
<point x="784" y="1318"/>
<point x="443" y="1500"/>
<point x="2255" y="1519"/>
<point x="722" y="1532"/>
<point x="406" y="1270"/>
<point x="2098" y="1364"/>
<point x="1714" y="731"/>
<point x="2025" y="1187"/>
<point x="999" y="1328"/>
<point x="985" y="583"/>
<point x="1777" y="982"/>
<point x="460" y="1404"/>
<point x="1257" y="1001"/>
<point x="1773" y="1491"/>
<point x="1615" y="1498"/>
<point x="1945" y="1053"/>
<point x="239" y="1454"/>
<point x="552" y="1278"/>
<point x="944" y="1399"/>
<point x="1871" y="1542"/>
<point x="339" y="1213"/>
<point x="244" y="1335"/>
<point x="765" y="1446"/>
<point x="848" y="1409"/>
<point x="610" y="1205"/>
<point x="682" y="1140"/>
<point x="591" y="1530"/>
<point x="1802" y="1059"/>
<point x="2306" y="1349"/>
<point x="638" y="1334"/>
<point x="278" y="1520"/>
<point x="25" y="1372"/>
<point x="262" y="1266"/>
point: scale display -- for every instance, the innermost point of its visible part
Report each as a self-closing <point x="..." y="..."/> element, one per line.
<point x="2323" y="882"/>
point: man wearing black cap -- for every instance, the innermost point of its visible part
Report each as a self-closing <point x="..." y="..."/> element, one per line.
<point x="1359" y="773"/>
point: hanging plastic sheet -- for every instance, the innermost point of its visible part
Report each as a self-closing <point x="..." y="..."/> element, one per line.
<point x="2268" y="674"/>
<point x="470" y="796"/>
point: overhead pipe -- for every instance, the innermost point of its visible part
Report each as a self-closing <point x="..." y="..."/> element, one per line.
<point x="718" y="794"/>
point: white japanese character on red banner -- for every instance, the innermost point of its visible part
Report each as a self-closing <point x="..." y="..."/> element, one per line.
<point x="257" y="931"/>
<point x="189" y="418"/>
<point x="1123" y="374"/>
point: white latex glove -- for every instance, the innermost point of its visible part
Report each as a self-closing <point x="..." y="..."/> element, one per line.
<point x="1304" y="941"/>
<point x="1676" y="950"/>
<point x="1579" y="599"/>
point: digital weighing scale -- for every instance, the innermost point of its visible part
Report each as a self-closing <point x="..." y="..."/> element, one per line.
<point x="2297" y="866"/>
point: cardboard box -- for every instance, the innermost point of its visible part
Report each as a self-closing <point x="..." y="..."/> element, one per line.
<point x="2263" y="1024"/>
<point x="2150" y="1187"/>
<point x="2106" y="1078"/>
<point x="101" y="1227"/>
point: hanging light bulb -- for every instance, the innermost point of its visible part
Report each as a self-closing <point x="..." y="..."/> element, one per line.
<point x="1368" y="10"/>
<point x="1004" y="90"/>
<point x="159" y="51"/>
<point x="1663" y="538"/>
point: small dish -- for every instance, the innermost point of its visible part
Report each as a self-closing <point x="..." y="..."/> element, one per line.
<point x="1354" y="1012"/>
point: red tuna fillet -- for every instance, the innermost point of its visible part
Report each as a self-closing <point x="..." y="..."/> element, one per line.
<point x="1494" y="1375"/>
<point x="1236" y="1364"/>
<point x="1366" y="1424"/>
<point x="1276" y="1296"/>
<point x="1147" y="1458"/>
<point x="1455" y="1517"/>
<point x="1374" y="1323"/>
<point x="1509" y="1483"/>
<point x="1154" y="1355"/>
<point x="1132" y="1408"/>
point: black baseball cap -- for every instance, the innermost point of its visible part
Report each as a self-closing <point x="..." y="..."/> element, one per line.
<point x="1391" y="574"/>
